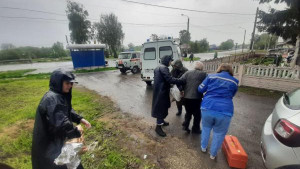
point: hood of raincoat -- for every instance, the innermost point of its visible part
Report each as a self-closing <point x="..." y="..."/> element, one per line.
<point x="165" y="60"/>
<point x="178" y="64"/>
<point x="57" y="78"/>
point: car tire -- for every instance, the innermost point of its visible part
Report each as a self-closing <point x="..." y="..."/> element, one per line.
<point x="123" y="70"/>
<point x="135" y="70"/>
<point x="149" y="83"/>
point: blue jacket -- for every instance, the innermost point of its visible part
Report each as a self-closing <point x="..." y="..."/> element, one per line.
<point x="219" y="90"/>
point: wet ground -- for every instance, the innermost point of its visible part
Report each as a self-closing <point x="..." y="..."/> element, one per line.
<point x="133" y="96"/>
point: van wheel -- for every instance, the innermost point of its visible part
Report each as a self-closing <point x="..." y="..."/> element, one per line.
<point x="123" y="70"/>
<point x="148" y="83"/>
<point x="135" y="70"/>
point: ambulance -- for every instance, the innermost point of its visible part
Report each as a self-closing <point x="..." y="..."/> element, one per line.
<point x="151" y="54"/>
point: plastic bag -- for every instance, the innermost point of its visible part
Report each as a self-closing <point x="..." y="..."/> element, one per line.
<point x="69" y="155"/>
<point x="175" y="93"/>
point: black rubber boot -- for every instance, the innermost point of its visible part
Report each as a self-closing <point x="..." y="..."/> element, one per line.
<point x="186" y="129"/>
<point x="160" y="131"/>
<point x="196" y="131"/>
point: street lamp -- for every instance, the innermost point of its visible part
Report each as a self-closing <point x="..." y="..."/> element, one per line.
<point x="244" y="39"/>
<point x="188" y="23"/>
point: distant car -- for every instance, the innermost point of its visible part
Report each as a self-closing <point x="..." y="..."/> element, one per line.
<point x="129" y="61"/>
<point x="272" y="53"/>
<point x="280" y="140"/>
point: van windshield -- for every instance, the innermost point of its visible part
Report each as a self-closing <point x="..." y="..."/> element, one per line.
<point x="124" y="56"/>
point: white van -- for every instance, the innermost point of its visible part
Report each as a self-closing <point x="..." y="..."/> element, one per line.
<point x="151" y="54"/>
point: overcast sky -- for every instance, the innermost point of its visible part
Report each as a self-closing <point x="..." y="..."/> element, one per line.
<point x="215" y="27"/>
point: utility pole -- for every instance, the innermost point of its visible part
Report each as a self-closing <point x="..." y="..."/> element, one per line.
<point x="244" y="39"/>
<point x="253" y="33"/>
<point x="188" y="22"/>
<point x="235" y="48"/>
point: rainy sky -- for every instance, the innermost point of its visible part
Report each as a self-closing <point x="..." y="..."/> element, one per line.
<point x="28" y="28"/>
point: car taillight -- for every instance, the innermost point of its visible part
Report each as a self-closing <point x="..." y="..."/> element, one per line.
<point x="287" y="133"/>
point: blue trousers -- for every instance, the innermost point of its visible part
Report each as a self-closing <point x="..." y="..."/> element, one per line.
<point x="217" y="122"/>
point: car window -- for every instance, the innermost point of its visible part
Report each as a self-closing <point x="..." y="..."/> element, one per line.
<point x="292" y="101"/>
<point x="150" y="54"/>
<point x="124" y="56"/>
<point x="165" y="50"/>
<point x="133" y="56"/>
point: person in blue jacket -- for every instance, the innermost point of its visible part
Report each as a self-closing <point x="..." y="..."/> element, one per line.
<point x="217" y="106"/>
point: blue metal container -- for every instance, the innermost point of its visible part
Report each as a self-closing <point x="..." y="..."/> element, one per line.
<point x="90" y="58"/>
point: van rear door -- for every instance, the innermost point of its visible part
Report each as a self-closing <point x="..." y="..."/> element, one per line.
<point x="149" y="60"/>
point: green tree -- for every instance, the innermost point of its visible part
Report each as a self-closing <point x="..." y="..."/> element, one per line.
<point x="58" y="50"/>
<point x="79" y="25"/>
<point x="284" y="23"/>
<point x="229" y="44"/>
<point x="265" y="41"/>
<point x="184" y="36"/>
<point x="203" y="45"/>
<point x="131" y="46"/>
<point x="110" y="32"/>
<point x="154" y="37"/>
<point x="5" y="46"/>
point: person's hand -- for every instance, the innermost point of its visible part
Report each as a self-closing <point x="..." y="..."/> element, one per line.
<point x="86" y="123"/>
<point x="80" y="129"/>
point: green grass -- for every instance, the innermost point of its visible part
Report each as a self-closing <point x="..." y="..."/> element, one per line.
<point x="14" y="74"/>
<point x="261" y="92"/>
<point x="95" y="70"/>
<point x="19" y="100"/>
<point x="52" y="59"/>
<point x="188" y="59"/>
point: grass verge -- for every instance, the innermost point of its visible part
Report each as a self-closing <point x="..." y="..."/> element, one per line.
<point x="19" y="100"/>
<point x="95" y="70"/>
<point x="188" y="59"/>
<point x="261" y="92"/>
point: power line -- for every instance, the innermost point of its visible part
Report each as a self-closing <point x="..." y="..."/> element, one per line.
<point x="24" y="17"/>
<point x="134" y="24"/>
<point x="32" y="10"/>
<point x="184" y="9"/>
<point x="221" y="25"/>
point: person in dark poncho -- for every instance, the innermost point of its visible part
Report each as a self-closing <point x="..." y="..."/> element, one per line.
<point x="161" y="93"/>
<point x="54" y="122"/>
<point x="177" y="71"/>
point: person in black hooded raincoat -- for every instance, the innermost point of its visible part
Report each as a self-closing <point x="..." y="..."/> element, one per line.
<point x="54" y="122"/>
<point x="161" y="93"/>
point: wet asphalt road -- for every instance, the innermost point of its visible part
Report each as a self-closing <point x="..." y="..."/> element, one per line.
<point x="132" y="95"/>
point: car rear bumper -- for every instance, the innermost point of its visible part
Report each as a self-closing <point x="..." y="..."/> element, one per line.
<point x="274" y="153"/>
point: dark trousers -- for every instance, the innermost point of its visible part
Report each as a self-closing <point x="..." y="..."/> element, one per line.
<point x="179" y="105"/>
<point x="192" y="107"/>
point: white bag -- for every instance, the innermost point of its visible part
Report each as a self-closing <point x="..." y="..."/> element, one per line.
<point x="175" y="93"/>
<point x="69" y="155"/>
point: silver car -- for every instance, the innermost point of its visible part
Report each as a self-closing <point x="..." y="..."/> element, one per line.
<point x="280" y="140"/>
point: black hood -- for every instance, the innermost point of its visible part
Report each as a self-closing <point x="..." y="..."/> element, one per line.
<point x="178" y="64"/>
<point x="57" y="78"/>
<point x="165" y="60"/>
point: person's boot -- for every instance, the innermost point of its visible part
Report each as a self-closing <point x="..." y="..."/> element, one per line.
<point x="186" y="129"/>
<point x="196" y="131"/>
<point x="160" y="131"/>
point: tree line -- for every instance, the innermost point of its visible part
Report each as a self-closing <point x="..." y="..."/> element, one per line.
<point x="10" y="52"/>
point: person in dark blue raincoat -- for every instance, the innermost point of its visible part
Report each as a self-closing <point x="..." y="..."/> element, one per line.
<point x="54" y="122"/>
<point x="161" y="93"/>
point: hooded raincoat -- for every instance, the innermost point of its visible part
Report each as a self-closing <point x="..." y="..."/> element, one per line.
<point x="53" y="123"/>
<point x="161" y="88"/>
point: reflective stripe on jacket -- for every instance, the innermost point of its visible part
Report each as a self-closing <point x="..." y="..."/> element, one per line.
<point x="219" y="90"/>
